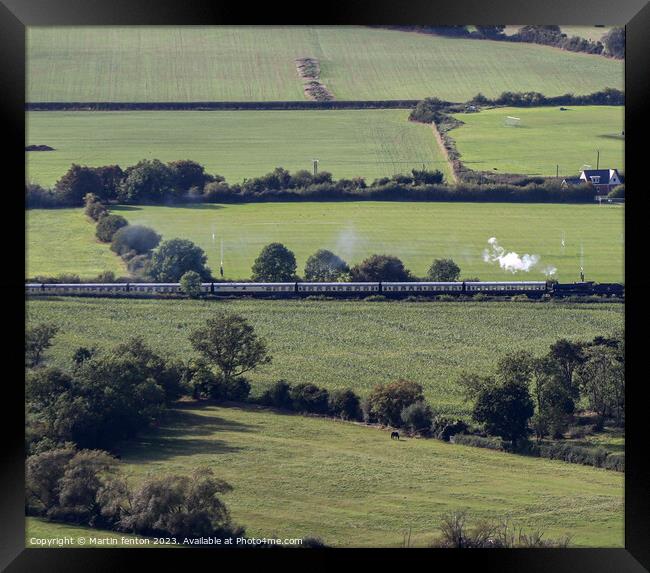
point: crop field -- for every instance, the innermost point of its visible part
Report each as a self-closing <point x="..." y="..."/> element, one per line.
<point x="354" y="344"/>
<point x="545" y="138"/>
<point x="232" y="63"/>
<point x="295" y="476"/>
<point x="235" y="144"/>
<point x="415" y="232"/>
<point x="63" y="241"/>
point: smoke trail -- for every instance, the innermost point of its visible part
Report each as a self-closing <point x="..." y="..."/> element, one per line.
<point x="511" y="261"/>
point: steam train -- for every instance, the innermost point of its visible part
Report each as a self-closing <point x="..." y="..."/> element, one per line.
<point x="341" y="289"/>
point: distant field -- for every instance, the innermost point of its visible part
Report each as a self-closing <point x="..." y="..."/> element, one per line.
<point x="63" y="239"/>
<point x="232" y="63"/>
<point x="353" y="344"/>
<point x="235" y="144"/>
<point x="593" y="33"/>
<point x="545" y="137"/>
<point x="295" y="476"/>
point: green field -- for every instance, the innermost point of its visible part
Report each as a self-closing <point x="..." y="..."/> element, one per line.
<point x="545" y="137"/>
<point x="353" y="344"/>
<point x="37" y="530"/>
<point x="415" y="232"/>
<point x="235" y="144"/>
<point x="63" y="241"/>
<point x="232" y="63"/>
<point x="351" y="485"/>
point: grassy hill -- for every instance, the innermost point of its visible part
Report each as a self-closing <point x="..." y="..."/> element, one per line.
<point x="62" y="240"/>
<point x="235" y="144"/>
<point x="341" y="344"/>
<point x="230" y="63"/>
<point x="545" y="137"/>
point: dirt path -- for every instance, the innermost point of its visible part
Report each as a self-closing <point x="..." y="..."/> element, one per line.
<point x="441" y="144"/>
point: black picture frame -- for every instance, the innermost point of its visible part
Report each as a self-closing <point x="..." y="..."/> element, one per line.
<point x="15" y="15"/>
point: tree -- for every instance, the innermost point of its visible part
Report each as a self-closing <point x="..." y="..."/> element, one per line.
<point x="76" y="183"/>
<point x="602" y="379"/>
<point x="111" y="177"/>
<point x="108" y="226"/>
<point x="191" y="284"/>
<point x="146" y="181"/>
<point x="38" y="339"/>
<point x="387" y="401"/>
<point x="345" y="404"/>
<point x="324" y="266"/>
<point x="444" y="270"/>
<point x="504" y="410"/>
<point x="614" y="42"/>
<point x="230" y="343"/>
<point x="43" y="473"/>
<point x="275" y="263"/>
<point x="186" y="174"/>
<point x="308" y="397"/>
<point x="553" y="401"/>
<point x="380" y="268"/>
<point x="417" y="417"/>
<point x="278" y="395"/>
<point x="568" y="355"/>
<point x="178" y="506"/>
<point x="175" y="257"/>
<point x="136" y="239"/>
<point x="95" y="209"/>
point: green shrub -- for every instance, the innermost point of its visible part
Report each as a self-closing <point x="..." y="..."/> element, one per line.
<point x="478" y="441"/>
<point x="278" y="395"/>
<point x="135" y="238"/>
<point x="309" y="398"/>
<point x="191" y="284"/>
<point x="417" y="417"/>
<point x="345" y="404"/>
<point x="108" y="226"/>
<point x="388" y="400"/>
<point x="444" y="428"/>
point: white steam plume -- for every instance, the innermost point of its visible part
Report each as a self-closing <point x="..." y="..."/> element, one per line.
<point x="511" y="261"/>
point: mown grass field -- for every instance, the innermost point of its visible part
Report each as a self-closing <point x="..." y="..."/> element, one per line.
<point x="63" y="241"/>
<point x="355" y="344"/>
<point x="545" y="137"/>
<point x="235" y="144"/>
<point x="231" y="63"/>
<point x="37" y="530"/>
<point x="415" y="232"/>
<point x="351" y="485"/>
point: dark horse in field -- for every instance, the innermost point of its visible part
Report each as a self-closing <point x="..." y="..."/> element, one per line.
<point x="394" y="435"/>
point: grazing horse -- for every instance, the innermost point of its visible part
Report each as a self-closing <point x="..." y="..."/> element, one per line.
<point x="394" y="435"/>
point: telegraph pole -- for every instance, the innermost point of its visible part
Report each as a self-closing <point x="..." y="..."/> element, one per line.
<point x="597" y="158"/>
<point x="315" y="162"/>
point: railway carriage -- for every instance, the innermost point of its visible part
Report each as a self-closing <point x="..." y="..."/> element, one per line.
<point x="337" y="288"/>
<point x="507" y="287"/>
<point x="253" y="288"/>
<point x="422" y="287"/>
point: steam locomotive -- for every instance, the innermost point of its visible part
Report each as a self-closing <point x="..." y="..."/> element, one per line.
<point x="341" y="289"/>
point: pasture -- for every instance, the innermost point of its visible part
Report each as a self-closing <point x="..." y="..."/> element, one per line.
<point x="256" y="63"/>
<point x="415" y="232"/>
<point x="296" y="476"/>
<point x="235" y="144"/>
<point x="354" y="344"/>
<point x="544" y="138"/>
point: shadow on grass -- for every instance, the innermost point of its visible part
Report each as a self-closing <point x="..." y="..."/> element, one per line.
<point x="184" y="433"/>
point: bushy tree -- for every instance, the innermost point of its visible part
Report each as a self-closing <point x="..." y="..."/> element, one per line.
<point x="308" y="397"/>
<point x="94" y="209"/>
<point x="111" y="178"/>
<point x="601" y="377"/>
<point x="568" y="356"/>
<point x="345" y="404"/>
<point x="380" y="268"/>
<point x="614" y="42"/>
<point x="77" y="182"/>
<point x="387" y="401"/>
<point x="230" y="343"/>
<point x="108" y="225"/>
<point x="417" y="417"/>
<point x="504" y="410"/>
<point x="324" y="266"/>
<point x="136" y="239"/>
<point x="424" y="177"/>
<point x="175" y="257"/>
<point x="443" y="270"/>
<point x="176" y="505"/>
<point x="146" y="181"/>
<point x="191" y="284"/>
<point x="275" y="263"/>
<point x="278" y="395"/>
<point x="186" y="174"/>
<point x="38" y="339"/>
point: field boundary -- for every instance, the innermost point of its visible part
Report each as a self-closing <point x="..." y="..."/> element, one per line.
<point x="221" y="105"/>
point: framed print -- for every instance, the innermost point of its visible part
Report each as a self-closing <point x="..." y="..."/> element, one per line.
<point x="357" y="283"/>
